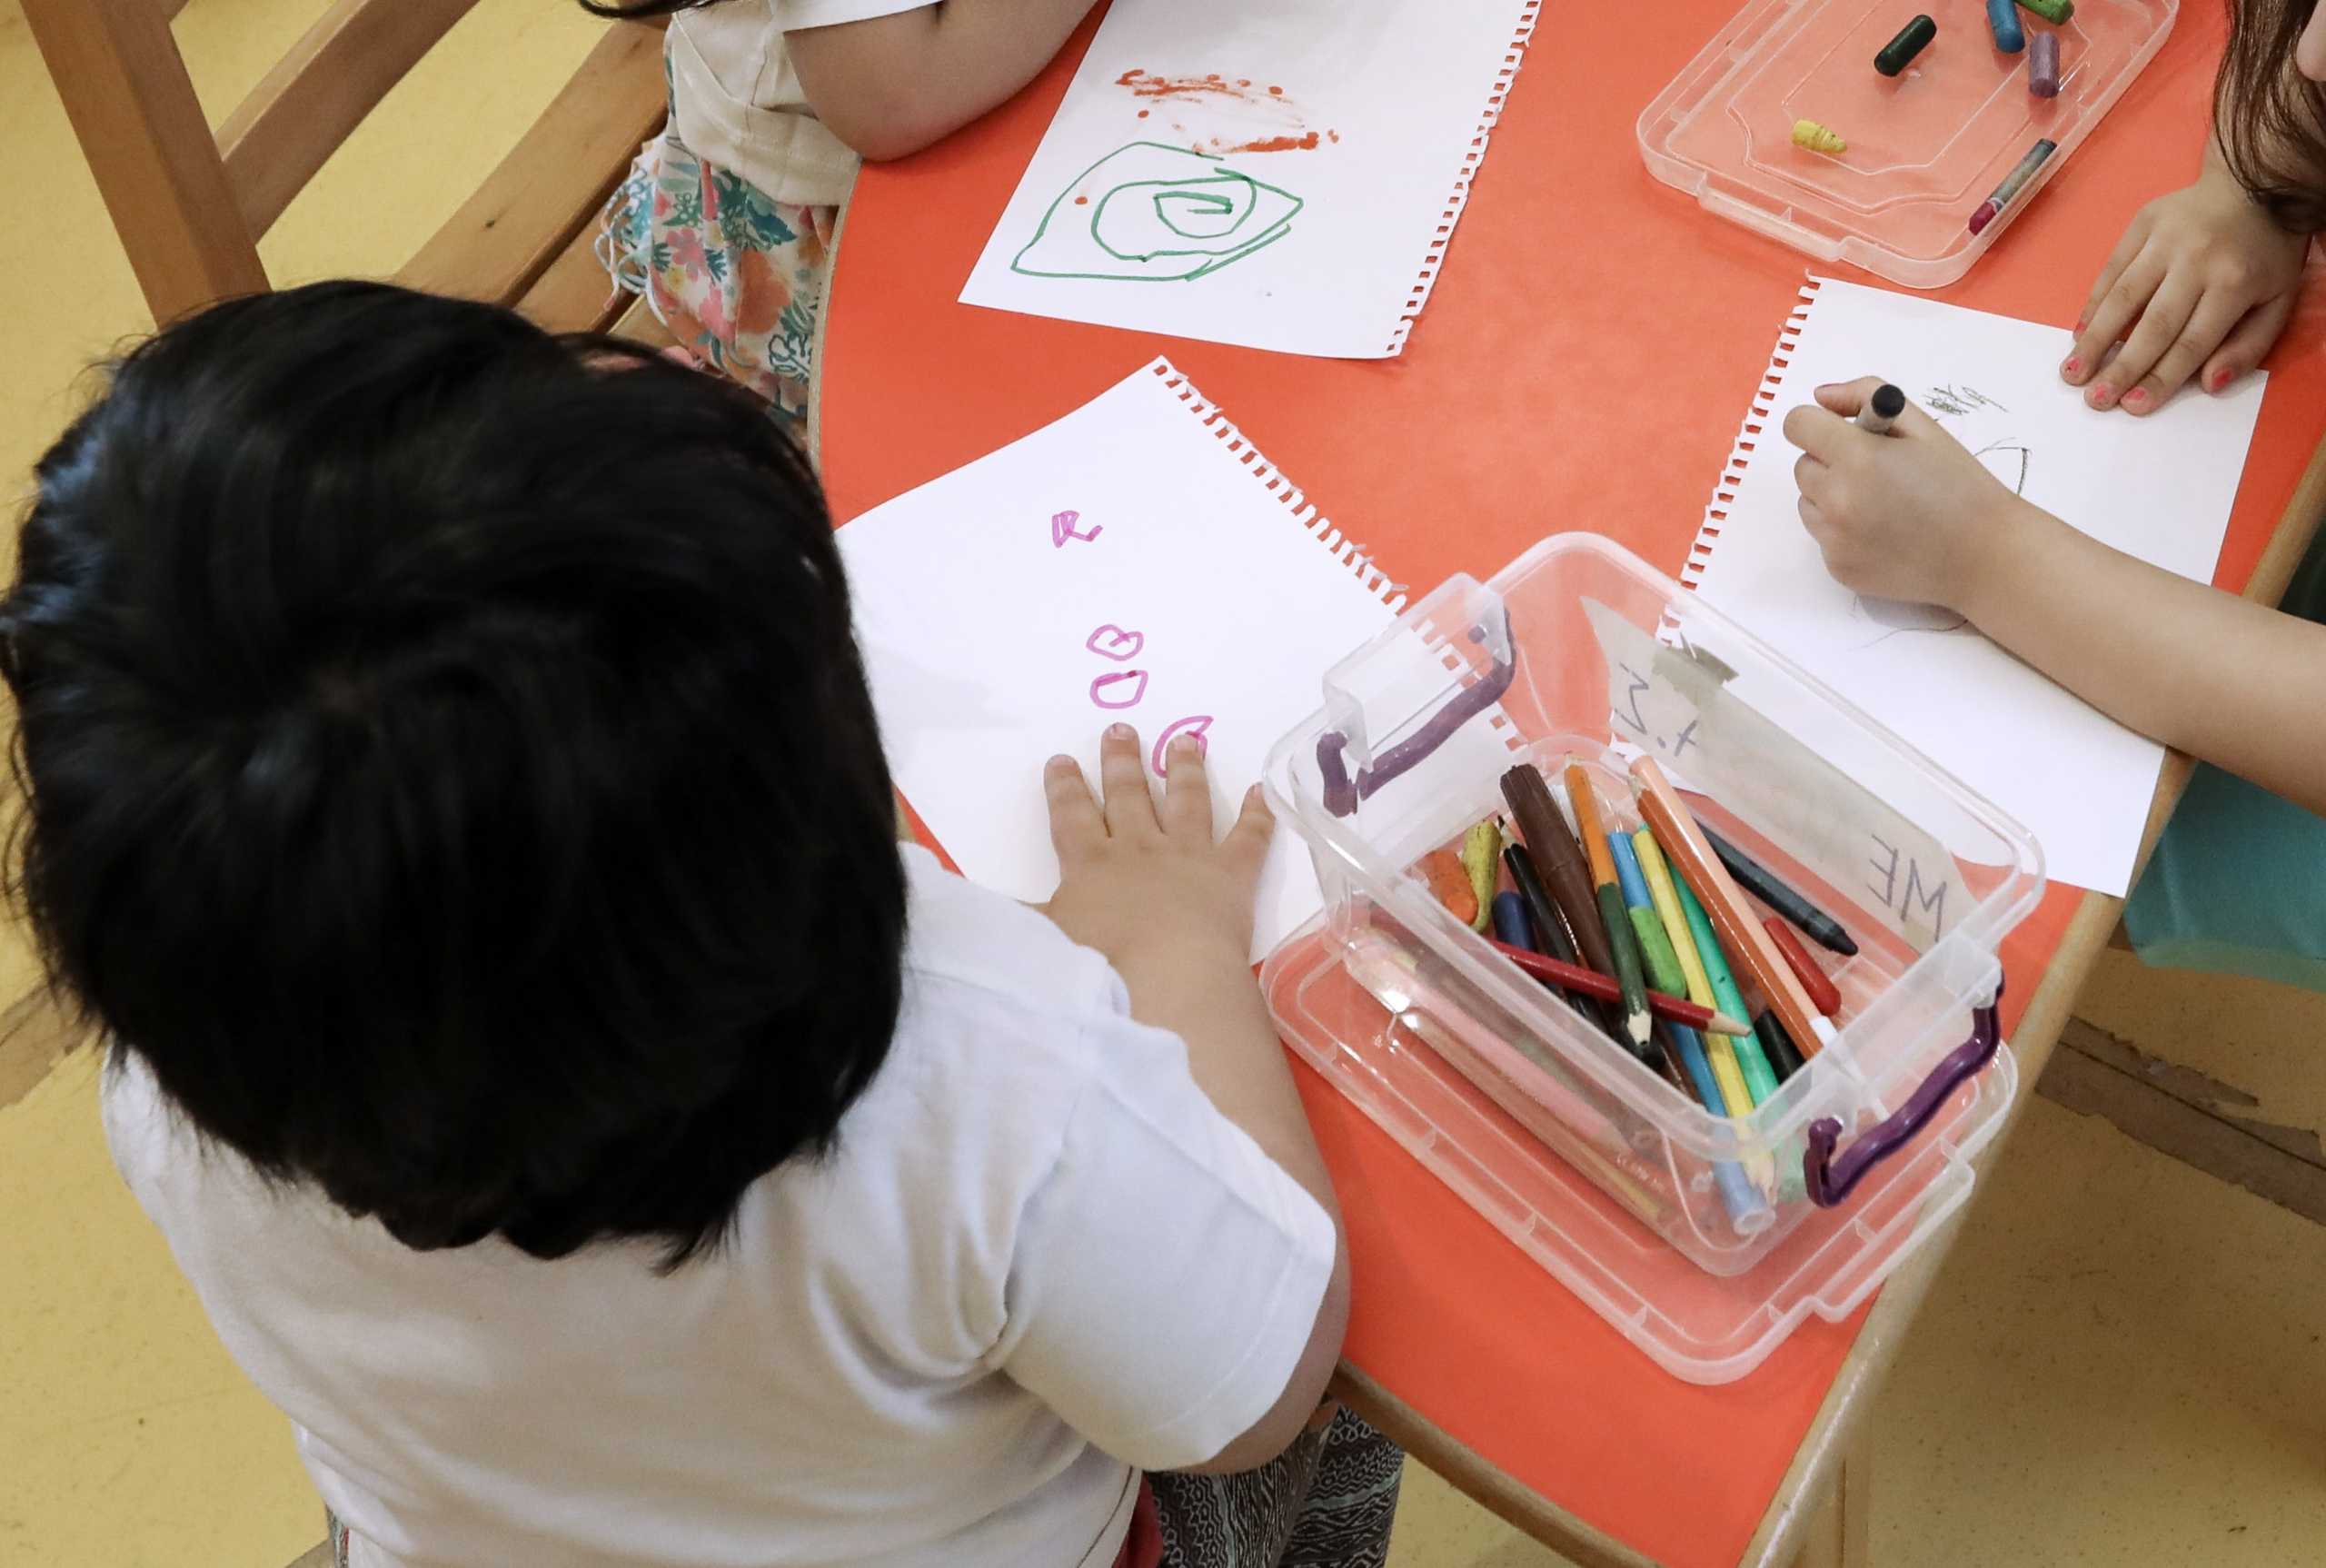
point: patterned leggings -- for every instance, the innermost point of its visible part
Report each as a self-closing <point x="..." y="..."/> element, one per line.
<point x="1327" y="1501"/>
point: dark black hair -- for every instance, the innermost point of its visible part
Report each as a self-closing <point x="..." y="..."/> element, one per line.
<point x="640" y="10"/>
<point x="449" y="767"/>
<point x="2270" y="119"/>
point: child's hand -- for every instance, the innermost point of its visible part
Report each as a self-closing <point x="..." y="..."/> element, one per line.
<point x="2203" y="280"/>
<point x="1908" y="515"/>
<point x="1145" y="884"/>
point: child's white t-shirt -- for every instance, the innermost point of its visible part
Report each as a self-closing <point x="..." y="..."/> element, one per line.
<point x="1037" y="1258"/>
<point x="736" y="103"/>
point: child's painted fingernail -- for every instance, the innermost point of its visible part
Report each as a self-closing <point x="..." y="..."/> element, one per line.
<point x="2080" y="325"/>
<point x="2136" y="398"/>
<point x="2217" y="381"/>
<point x="2072" y="367"/>
<point x="2101" y="396"/>
<point x="1119" y="732"/>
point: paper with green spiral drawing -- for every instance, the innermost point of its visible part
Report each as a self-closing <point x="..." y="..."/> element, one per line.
<point x="1161" y="214"/>
<point x="1284" y="176"/>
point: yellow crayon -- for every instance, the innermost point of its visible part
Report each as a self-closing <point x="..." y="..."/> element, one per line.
<point x="1809" y="134"/>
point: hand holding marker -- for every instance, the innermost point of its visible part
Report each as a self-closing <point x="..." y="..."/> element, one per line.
<point x="1882" y="409"/>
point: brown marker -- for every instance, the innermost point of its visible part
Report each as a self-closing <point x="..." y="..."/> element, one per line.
<point x="1559" y="857"/>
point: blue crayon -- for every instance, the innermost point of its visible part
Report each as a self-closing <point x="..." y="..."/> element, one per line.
<point x="1511" y="925"/>
<point x="2003" y="16"/>
<point x="1628" y="875"/>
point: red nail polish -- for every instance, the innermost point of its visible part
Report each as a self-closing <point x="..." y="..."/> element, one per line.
<point x="2079" y="325"/>
<point x="2073" y="366"/>
<point x="2218" y="380"/>
<point x="2136" y="398"/>
<point x="2103" y="395"/>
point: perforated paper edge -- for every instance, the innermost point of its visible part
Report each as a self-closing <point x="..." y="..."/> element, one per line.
<point x="1748" y="437"/>
<point x="1347" y="552"/>
<point x="1489" y="115"/>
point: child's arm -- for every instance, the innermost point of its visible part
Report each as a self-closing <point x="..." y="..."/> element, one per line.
<point x="2202" y="285"/>
<point x="891" y="85"/>
<point x="1144" y="884"/>
<point x="1912" y="515"/>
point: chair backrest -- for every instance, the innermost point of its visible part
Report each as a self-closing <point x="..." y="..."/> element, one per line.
<point x="190" y="206"/>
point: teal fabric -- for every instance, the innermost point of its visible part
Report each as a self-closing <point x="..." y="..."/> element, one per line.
<point x="2237" y="883"/>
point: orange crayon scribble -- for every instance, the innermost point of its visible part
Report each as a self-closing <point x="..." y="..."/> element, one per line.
<point x="1145" y="84"/>
<point x="1301" y="143"/>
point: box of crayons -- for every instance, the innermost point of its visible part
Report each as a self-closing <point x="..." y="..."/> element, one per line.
<point x="1902" y="135"/>
<point x="1680" y="969"/>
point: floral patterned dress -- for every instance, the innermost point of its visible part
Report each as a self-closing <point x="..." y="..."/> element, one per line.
<point x="737" y="276"/>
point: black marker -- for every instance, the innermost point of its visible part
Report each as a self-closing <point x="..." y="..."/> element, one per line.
<point x="1883" y="407"/>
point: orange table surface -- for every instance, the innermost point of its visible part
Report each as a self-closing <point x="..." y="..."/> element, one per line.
<point x="1592" y="344"/>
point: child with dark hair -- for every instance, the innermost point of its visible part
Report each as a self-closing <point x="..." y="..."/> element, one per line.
<point x="453" y="795"/>
<point x="2200" y="287"/>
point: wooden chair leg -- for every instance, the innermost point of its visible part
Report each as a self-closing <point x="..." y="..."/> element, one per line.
<point x="1838" y="1534"/>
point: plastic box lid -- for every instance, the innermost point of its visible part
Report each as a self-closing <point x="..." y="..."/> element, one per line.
<point x="1923" y="149"/>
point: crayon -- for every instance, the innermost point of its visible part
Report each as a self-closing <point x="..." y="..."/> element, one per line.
<point x="2020" y="174"/>
<point x="2043" y="65"/>
<point x="1758" y="1073"/>
<point x="1669" y="1006"/>
<point x="1823" y="994"/>
<point x="1550" y="927"/>
<point x="2002" y="20"/>
<point x="1559" y="859"/>
<point x="1510" y="922"/>
<point x="1778" y="1044"/>
<point x="1910" y="41"/>
<point x="1480" y="853"/>
<point x="1765" y="885"/>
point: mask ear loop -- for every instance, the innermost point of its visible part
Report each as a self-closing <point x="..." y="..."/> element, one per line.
<point x="624" y="242"/>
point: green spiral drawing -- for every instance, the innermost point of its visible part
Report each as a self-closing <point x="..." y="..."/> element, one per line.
<point x="1149" y="213"/>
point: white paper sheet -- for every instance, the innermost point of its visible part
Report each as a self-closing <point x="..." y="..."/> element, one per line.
<point x="1282" y="175"/>
<point x="2159" y="488"/>
<point x="1129" y="562"/>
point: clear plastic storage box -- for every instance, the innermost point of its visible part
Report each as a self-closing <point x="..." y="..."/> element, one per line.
<point x="1595" y="1166"/>
<point x="1924" y="147"/>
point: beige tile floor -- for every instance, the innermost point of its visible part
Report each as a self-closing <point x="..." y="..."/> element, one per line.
<point x="2121" y="1365"/>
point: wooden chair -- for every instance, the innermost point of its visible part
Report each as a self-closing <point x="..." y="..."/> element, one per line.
<point x="191" y="206"/>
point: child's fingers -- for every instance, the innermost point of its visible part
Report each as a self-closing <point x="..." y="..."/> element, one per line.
<point x="1845" y="398"/>
<point x="2247" y="342"/>
<point x="2170" y="310"/>
<point x="2085" y="355"/>
<point x="1186" y="790"/>
<point x="1246" y="843"/>
<point x="1122" y="775"/>
<point x="2216" y="314"/>
<point x="2111" y="318"/>
<point x="1817" y="432"/>
<point x="1076" y="828"/>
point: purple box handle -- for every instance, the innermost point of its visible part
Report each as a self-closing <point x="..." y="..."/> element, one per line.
<point x="1831" y="1180"/>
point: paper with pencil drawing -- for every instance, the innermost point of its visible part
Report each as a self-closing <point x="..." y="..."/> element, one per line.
<point x="1135" y="561"/>
<point x="2159" y="488"/>
<point x="1283" y="176"/>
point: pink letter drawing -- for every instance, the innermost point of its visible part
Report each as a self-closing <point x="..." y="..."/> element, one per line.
<point x="1066" y="525"/>
<point x="1197" y="725"/>
<point x="1111" y="642"/>
<point x="1102" y="693"/>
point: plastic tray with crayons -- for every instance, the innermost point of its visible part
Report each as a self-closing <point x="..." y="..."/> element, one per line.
<point x="1705" y="1191"/>
<point x="1911" y="136"/>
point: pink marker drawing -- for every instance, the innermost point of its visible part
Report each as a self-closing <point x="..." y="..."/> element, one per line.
<point x="1066" y="525"/>
<point x="1111" y="642"/>
<point x="1197" y="725"/>
<point x="1103" y="689"/>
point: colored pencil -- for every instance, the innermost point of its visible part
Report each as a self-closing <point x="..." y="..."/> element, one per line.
<point x="1826" y="996"/>
<point x="1747" y="1209"/>
<point x="1607" y="892"/>
<point x="1671" y="1009"/>
<point x="1759" y="1075"/>
<point x="1731" y="916"/>
<point x="1768" y="887"/>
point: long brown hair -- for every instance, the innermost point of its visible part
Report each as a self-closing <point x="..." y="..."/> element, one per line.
<point x="2270" y="119"/>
